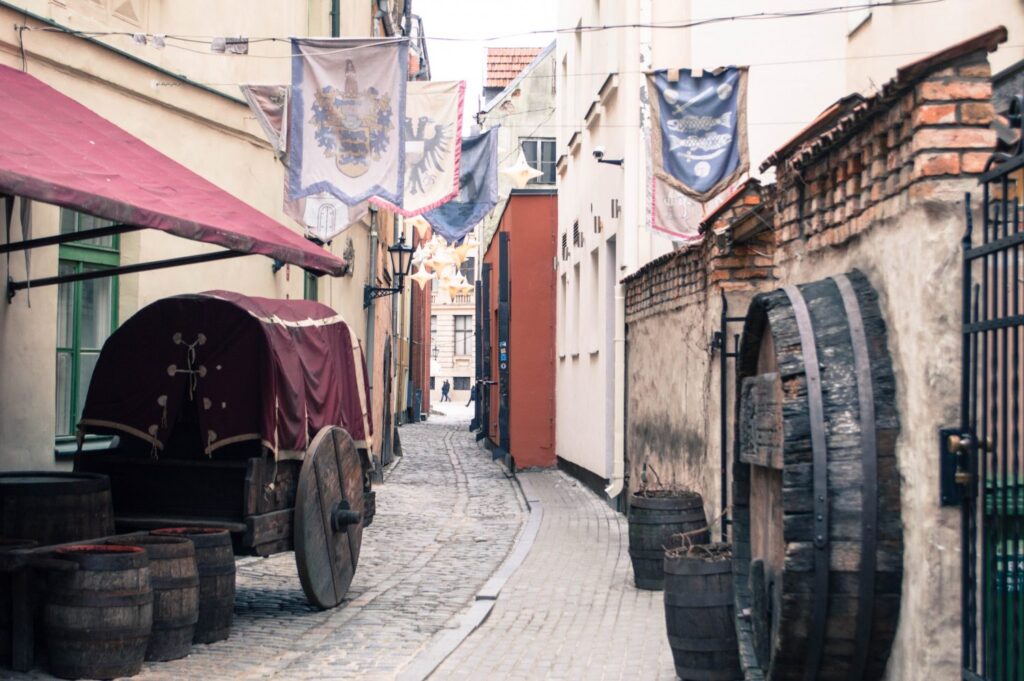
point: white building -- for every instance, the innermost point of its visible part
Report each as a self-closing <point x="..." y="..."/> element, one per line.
<point x="798" y="67"/>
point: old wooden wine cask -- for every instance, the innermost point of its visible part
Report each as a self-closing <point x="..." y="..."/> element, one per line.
<point x="98" y="611"/>
<point x="7" y="585"/>
<point x="215" y="564"/>
<point x="699" y="613"/>
<point x="817" y="539"/>
<point x="55" y="508"/>
<point x="175" y="579"/>
<point x="654" y="517"/>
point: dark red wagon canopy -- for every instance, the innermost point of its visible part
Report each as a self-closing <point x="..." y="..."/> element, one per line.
<point x="53" y="149"/>
<point x="276" y="371"/>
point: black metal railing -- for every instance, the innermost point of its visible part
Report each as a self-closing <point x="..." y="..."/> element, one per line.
<point x="988" y="450"/>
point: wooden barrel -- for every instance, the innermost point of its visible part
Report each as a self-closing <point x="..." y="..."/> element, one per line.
<point x="654" y="517"/>
<point x="98" y="612"/>
<point x="699" y="613"/>
<point x="173" y="573"/>
<point x="55" y="508"/>
<point x="215" y="563"/>
<point x="817" y="534"/>
<point x="7" y="586"/>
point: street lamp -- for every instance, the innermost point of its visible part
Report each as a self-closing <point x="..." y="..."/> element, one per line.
<point x="401" y="263"/>
<point x="434" y="352"/>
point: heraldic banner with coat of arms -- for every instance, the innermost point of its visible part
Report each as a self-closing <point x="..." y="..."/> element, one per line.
<point x="699" y="129"/>
<point x="346" y="135"/>
<point x="433" y="146"/>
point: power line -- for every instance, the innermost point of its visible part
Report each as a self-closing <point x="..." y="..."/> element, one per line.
<point x="755" y="16"/>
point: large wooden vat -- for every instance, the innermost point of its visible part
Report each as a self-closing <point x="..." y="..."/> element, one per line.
<point x="817" y="532"/>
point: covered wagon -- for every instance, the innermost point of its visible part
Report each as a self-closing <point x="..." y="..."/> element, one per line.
<point x="245" y="413"/>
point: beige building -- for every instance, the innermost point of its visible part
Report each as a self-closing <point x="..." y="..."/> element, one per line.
<point x="182" y="98"/>
<point x="798" y="67"/>
<point x="453" y="337"/>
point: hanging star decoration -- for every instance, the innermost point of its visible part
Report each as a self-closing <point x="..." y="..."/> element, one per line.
<point x="421" y="226"/>
<point x="422" y="276"/>
<point x="521" y="173"/>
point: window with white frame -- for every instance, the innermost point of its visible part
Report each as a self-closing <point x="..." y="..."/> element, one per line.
<point x="540" y="154"/>
<point x="463" y="333"/>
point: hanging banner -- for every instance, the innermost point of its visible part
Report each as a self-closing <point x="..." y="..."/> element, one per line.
<point x="674" y="214"/>
<point x="345" y="132"/>
<point x="478" y="188"/>
<point x="269" y="103"/>
<point x="433" y="146"/>
<point x="699" y="128"/>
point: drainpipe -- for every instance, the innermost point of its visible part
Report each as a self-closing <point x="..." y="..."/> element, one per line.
<point x="335" y="18"/>
<point x="617" y="480"/>
<point x="371" y="309"/>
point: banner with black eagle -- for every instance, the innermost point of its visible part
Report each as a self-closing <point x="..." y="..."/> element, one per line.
<point x="698" y="129"/>
<point x="346" y="132"/>
<point x="433" y="146"/>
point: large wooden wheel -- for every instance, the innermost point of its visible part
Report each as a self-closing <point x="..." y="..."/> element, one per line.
<point x="328" y="521"/>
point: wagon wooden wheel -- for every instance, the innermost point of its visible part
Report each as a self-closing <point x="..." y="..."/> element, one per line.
<point x="328" y="527"/>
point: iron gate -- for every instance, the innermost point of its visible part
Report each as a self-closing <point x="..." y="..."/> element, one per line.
<point x="987" y="450"/>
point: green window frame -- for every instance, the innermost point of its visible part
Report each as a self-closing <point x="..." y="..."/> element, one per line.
<point x="310" y="286"/>
<point x="86" y="316"/>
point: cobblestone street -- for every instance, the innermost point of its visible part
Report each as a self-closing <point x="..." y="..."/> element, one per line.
<point x="442" y="556"/>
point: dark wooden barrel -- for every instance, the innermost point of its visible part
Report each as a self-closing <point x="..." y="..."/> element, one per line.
<point x="817" y="538"/>
<point x="215" y="563"/>
<point x="98" y="612"/>
<point x="654" y="517"/>
<point x="7" y="586"/>
<point x="699" y="613"/>
<point x="175" y="579"/>
<point x="55" y="508"/>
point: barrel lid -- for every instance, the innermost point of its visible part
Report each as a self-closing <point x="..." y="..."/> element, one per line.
<point x="663" y="499"/>
<point x="159" y="547"/>
<point x="104" y="556"/>
<point x="33" y="483"/>
<point x="202" y="537"/>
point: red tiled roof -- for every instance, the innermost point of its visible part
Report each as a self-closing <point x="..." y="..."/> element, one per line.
<point x="505" y="63"/>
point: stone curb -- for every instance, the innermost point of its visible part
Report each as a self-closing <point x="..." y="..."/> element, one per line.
<point x="444" y="644"/>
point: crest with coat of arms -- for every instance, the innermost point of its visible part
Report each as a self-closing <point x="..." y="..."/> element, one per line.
<point x="353" y="126"/>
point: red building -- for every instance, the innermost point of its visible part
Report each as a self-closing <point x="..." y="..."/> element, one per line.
<point x="419" y="345"/>
<point x="517" y="328"/>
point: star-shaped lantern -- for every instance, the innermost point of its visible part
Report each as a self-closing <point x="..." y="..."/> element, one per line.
<point x="521" y="173"/>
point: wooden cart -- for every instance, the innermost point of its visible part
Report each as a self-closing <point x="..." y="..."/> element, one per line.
<point x="244" y="413"/>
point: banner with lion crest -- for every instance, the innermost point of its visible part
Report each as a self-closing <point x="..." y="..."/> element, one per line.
<point x="433" y="146"/>
<point x="346" y="135"/>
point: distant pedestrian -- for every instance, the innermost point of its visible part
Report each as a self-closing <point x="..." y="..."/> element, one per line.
<point x="445" y="387"/>
<point x="472" y="395"/>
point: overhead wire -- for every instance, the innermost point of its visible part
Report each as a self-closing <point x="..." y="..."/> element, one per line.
<point x="666" y="25"/>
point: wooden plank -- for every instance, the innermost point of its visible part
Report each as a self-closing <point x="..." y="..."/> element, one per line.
<point x="267" y="527"/>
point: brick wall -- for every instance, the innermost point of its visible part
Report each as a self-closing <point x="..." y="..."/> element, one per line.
<point x="914" y="142"/>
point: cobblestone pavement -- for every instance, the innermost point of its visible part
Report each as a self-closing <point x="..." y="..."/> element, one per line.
<point x="446" y="518"/>
<point x="570" y="611"/>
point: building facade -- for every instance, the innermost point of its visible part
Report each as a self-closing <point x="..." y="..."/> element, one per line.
<point x="604" y="209"/>
<point x="453" y="337"/>
<point x="186" y="104"/>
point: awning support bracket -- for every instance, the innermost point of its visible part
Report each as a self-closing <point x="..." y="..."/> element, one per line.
<point x="58" y="239"/>
<point x="14" y="286"/>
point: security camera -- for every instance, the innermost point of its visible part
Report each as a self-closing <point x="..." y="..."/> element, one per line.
<point x="599" y="152"/>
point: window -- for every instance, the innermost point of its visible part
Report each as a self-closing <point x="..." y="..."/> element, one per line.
<point x="431" y="382"/>
<point x="463" y="332"/>
<point x="540" y="154"/>
<point x="86" y="315"/>
<point x="468" y="269"/>
<point x="310" y="286"/>
<point x="460" y="382"/>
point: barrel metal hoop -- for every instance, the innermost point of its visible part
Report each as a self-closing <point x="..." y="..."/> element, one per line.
<point x="705" y="599"/>
<point x="869" y="491"/>
<point x="703" y="645"/>
<point x="816" y="412"/>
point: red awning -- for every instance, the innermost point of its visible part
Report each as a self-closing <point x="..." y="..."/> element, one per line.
<point x="53" y="149"/>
